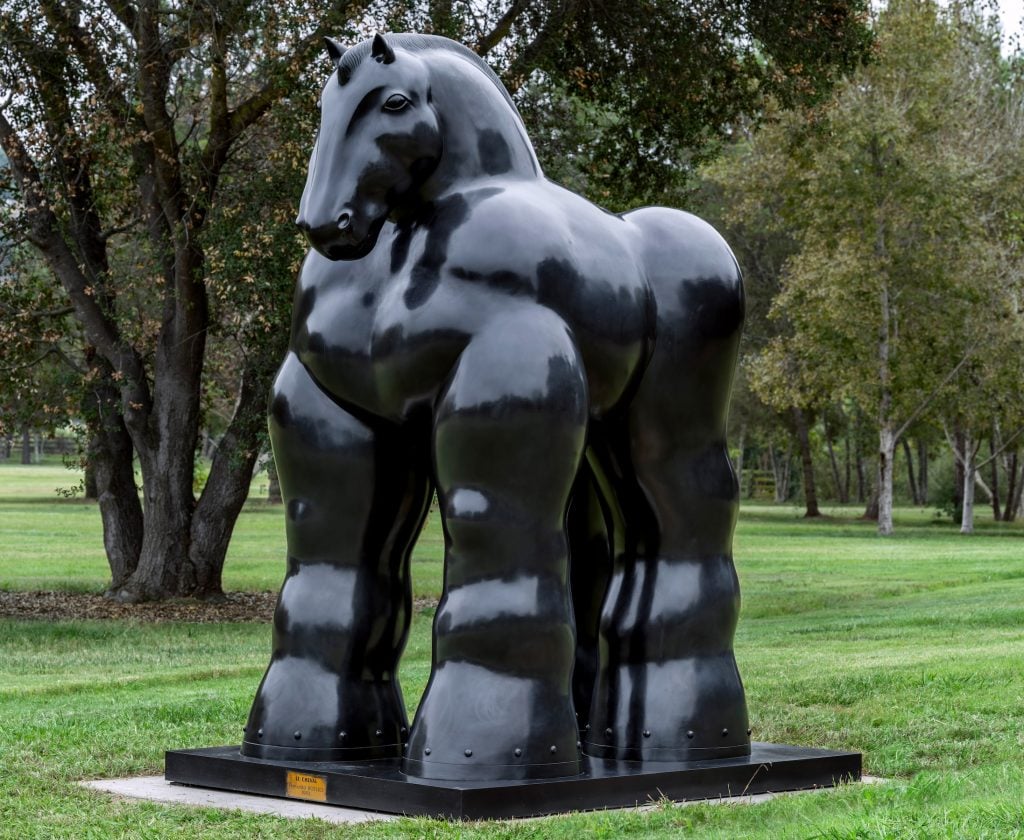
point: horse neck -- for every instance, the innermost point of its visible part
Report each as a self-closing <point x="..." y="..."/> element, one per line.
<point x="482" y="132"/>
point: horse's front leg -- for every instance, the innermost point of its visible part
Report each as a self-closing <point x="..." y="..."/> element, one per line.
<point x="508" y="436"/>
<point x="355" y="499"/>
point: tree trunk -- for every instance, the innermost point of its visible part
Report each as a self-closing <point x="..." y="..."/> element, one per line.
<point x="886" y="453"/>
<point x="846" y="464"/>
<point x="1013" y="487"/>
<point x="807" y="463"/>
<point x="910" y="472"/>
<point x="739" y="461"/>
<point x="871" y="508"/>
<point x="841" y="490"/>
<point x="227" y="488"/>
<point x="780" y="472"/>
<point x="859" y="459"/>
<point x="110" y="457"/>
<point x="922" y="470"/>
<point x="994" y="460"/>
<point x="89" y="481"/>
<point x="958" y="475"/>
<point x="967" y="517"/>
<point x="274" y="485"/>
<point x="26" y="446"/>
<point x="1018" y="508"/>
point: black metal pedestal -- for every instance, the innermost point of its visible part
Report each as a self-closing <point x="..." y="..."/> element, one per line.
<point x="381" y="786"/>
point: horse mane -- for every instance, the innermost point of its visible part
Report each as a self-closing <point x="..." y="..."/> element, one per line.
<point x="415" y="42"/>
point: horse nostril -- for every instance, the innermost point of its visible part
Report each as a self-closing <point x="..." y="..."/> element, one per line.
<point x="344" y="220"/>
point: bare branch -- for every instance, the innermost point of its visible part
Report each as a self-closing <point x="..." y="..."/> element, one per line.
<point x="114" y="231"/>
<point x="44" y="233"/>
<point x="488" y="42"/>
<point x="921" y="406"/>
<point x="1001" y="449"/>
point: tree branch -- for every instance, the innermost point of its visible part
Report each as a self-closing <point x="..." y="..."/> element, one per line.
<point x="1001" y="449"/>
<point x="125" y="12"/>
<point x="488" y="42"/>
<point x="44" y="233"/>
<point x="934" y="392"/>
<point x="534" y="52"/>
<point x="85" y="48"/>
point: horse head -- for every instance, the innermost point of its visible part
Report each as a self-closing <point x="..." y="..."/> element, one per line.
<point x="379" y="140"/>
<point x="383" y="134"/>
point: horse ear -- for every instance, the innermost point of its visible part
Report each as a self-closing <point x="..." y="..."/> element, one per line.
<point x="334" y="49"/>
<point x="381" y="50"/>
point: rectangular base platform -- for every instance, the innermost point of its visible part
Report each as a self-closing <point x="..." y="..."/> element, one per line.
<point x="381" y="786"/>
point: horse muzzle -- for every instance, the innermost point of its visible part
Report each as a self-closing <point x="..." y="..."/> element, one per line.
<point x="340" y="239"/>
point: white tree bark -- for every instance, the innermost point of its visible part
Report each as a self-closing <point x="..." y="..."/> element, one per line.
<point x="886" y="453"/>
<point x="970" y="471"/>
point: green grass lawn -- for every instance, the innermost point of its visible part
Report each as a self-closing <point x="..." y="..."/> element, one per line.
<point x="909" y="649"/>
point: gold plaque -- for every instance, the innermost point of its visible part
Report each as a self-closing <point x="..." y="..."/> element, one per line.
<point x="306" y="786"/>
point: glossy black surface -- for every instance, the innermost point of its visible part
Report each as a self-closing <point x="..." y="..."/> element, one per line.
<point x="602" y="783"/>
<point x="560" y="376"/>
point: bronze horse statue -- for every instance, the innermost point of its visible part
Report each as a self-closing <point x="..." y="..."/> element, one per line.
<point x="560" y="376"/>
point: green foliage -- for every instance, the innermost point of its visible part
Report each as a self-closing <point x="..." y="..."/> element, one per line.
<point x="880" y="224"/>
<point x="157" y="150"/>
<point x="885" y="189"/>
<point x="632" y="96"/>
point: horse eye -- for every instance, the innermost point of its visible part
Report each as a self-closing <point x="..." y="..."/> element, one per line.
<point x="396" y="102"/>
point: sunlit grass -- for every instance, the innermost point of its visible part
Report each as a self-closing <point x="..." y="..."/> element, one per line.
<point x="909" y="649"/>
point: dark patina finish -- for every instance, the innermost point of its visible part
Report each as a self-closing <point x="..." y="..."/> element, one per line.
<point x="560" y="376"/>
<point x="602" y="783"/>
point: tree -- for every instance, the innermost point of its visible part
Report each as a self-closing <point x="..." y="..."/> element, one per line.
<point x="155" y="149"/>
<point x="749" y="218"/>
<point x="884" y="188"/>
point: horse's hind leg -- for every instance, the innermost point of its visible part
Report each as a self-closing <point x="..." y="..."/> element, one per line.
<point x="508" y="436"/>
<point x="668" y="687"/>
<point x="355" y="499"/>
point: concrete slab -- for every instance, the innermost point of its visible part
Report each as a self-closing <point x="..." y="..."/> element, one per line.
<point x="158" y="789"/>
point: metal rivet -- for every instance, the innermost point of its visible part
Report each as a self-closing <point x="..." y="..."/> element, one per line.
<point x="554" y="749"/>
<point x="586" y="728"/>
<point x="405" y="747"/>
<point x="342" y="735"/>
<point x="647" y="733"/>
<point x="298" y="735"/>
<point x="469" y="753"/>
<point x="689" y="733"/>
<point x="608" y="732"/>
<point x="517" y="752"/>
<point x="426" y="750"/>
<point x="260" y="733"/>
<point x="749" y="731"/>
<point x="725" y="732"/>
<point x="378" y="733"/>
<point x="403" y="730"/>
<point x="579" y="745"/>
